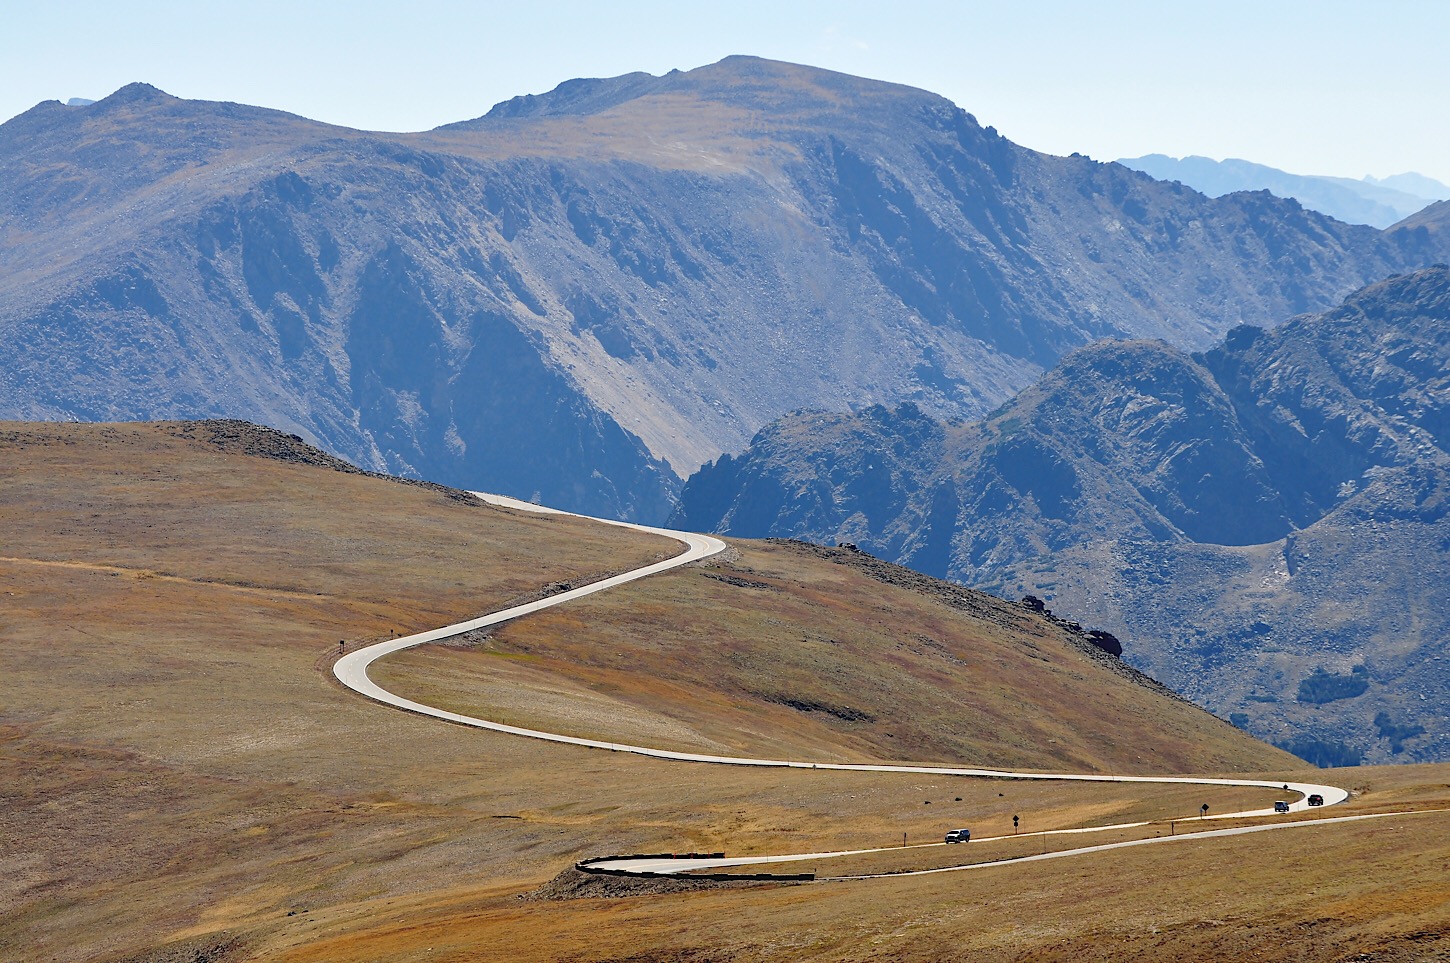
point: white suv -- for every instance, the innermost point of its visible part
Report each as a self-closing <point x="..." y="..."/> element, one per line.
<point x="959" y="836"/>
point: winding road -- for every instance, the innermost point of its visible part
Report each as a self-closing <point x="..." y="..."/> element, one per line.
<point x="352" y="671"/>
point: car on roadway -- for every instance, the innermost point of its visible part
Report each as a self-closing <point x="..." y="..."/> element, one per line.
<point x="959" y="836"/>
<point x="1315" y="799"/>
<point x="1280" y="806"/>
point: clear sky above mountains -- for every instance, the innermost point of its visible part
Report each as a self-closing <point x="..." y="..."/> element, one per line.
<point x="1328" y="87"/>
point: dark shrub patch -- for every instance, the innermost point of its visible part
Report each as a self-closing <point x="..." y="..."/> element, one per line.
<point x="1321" y="687"/>
<point x="1322" y="752"/>
<point x="1396" y="734"/>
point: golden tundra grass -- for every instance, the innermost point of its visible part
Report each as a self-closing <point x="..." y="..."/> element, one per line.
<point x="182" y="780"/>
<point x="876" y="672"/>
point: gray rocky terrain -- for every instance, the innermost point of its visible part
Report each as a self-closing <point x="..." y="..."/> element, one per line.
<point x="584" y="295"/>
<point x="1265" y="524"/>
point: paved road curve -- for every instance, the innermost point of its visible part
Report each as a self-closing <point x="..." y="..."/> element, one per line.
<point x="352" y="671"/>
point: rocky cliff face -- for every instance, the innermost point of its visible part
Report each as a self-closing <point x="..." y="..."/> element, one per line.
<point x="1276" y="506"/>
<point x="584" y="295"/>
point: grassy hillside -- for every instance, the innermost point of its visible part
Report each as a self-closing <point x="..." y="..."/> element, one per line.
<point x="1271" y="898"/>
<point x="791" y="648"/>
<point x="181" y="779"/>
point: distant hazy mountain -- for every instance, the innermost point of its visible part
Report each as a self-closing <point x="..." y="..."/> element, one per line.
<point x="586" y="294"/>
<point x="1266" y="525"/>
<point x="1379" y="204"/>
<point x="1416" y="184"/>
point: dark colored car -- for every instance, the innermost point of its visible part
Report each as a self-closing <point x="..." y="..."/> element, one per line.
<point x="1315" y="799"/>
<point x="959" y="836"/>
<point x="1281" y="806"/>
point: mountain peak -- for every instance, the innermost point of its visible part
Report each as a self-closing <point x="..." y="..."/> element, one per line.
<point x="53" y="115"/>
<point x="581" y="96"/>
<point x="748" y="82"/>
<point x="137" y="93"/>
<point x="1413" y="183"/>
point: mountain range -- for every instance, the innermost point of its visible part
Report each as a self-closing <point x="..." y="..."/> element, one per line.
<point x="583" y="296"/>
<point x="1373" y="201"/>
<point x="1412" y="183"/>
<point x="1265" y="524"/>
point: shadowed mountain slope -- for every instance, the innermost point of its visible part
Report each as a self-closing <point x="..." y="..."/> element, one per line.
<point x="586" y="294"/>
<point x="1250" y="519"/>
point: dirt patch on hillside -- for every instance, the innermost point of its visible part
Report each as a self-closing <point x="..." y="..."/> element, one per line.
<point x="215" y="948"/>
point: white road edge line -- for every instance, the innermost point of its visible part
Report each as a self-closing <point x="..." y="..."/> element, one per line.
<point x="1126" y="844"/>
<point x="352" y="671"/>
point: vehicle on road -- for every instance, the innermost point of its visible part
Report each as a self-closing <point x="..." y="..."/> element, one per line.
<point x="1315" y="799"/>
<point x="1281" y="806"/>
<point x="959" y="836"/>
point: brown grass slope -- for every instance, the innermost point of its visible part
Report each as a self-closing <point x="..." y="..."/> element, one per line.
<point x="793" y="649"/>
<point x="1271" y="898"/>
<point x="180" y="779"/>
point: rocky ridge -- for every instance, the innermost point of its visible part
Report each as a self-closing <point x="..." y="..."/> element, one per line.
<point x="584" y="295"/>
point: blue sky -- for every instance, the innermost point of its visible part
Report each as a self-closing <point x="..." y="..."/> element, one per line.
<point x="1312" y="87"/>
